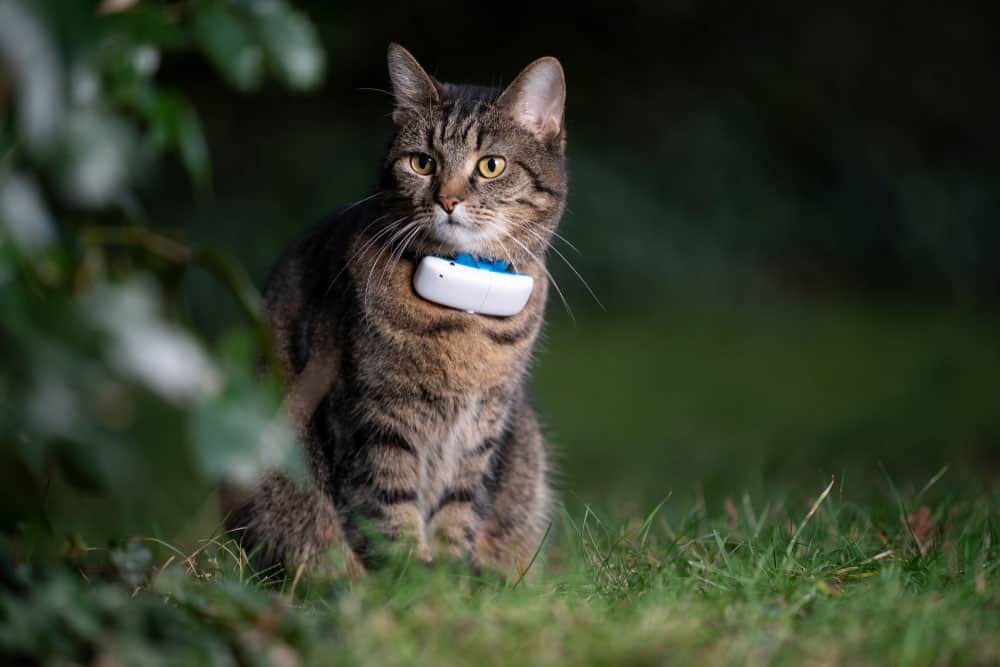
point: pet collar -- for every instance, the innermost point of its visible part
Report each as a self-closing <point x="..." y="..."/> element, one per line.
<point x="475" y="285"/>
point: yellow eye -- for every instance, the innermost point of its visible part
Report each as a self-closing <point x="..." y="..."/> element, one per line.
<point x="422" y="163"/>
<point x="492" y="166"/>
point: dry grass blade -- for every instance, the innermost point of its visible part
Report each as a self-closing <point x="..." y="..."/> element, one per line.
<point x="809" y="515"/>
<point x="295" y="582"/>
<point x="192" y="567"/>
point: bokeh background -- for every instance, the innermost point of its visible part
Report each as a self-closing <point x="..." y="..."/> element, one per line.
<point x="789" y="214"/>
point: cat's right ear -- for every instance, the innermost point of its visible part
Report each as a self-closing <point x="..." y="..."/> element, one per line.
<point x="412" y="87"/>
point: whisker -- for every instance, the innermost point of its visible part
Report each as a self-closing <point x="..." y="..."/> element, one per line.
<point x="361" y="201"/>
<point x="524" y="227"/>
<point x="374" y="239"/>
<point x="554" y="249"/>
<point x="577" y="274"/>
<point x="378" y="257"/>
<point x="365" y="246"/>
<point x="368" y="281"/>
<point x="397" y="234"/>
<point x="376" y="90"/>
<point x="403" y="239"/>
<point x="513" y="238"/>
<point x="402" y="248"/>
<point x="567" y="242"/>
<point x="555" y="235"/>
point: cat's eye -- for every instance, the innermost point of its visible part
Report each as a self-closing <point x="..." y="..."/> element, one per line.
<point x="422" y="163"/>
<point x="492" y="166"/>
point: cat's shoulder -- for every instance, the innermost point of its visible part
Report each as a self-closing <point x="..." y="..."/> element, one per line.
<point x="318" y="250"/>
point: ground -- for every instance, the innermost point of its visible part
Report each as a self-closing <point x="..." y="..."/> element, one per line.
<point x="796" y="485"/>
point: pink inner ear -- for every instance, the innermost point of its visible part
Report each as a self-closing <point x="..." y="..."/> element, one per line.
<point x="540" y="98"/>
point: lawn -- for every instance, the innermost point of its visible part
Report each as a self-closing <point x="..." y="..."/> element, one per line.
<point x="793" y="484"/>
<point x="910" y="582"/>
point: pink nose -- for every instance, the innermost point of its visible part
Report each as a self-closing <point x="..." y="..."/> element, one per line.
<point x="448" y="202"/>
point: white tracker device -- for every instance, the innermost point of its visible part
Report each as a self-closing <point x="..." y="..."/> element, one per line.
<point x="461" y="284"/>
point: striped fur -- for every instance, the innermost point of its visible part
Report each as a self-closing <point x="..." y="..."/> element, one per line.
<point x="415" y="416"/>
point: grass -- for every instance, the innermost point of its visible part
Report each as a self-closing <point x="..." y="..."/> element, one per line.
<point x="772" y="397"/>
<point x="715" y="539"/>
<point x="912" y="581"/>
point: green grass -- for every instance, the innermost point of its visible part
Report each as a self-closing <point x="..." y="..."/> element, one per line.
<point x="770" y="397"/>
<point x="912" y="581"/>
<point x="692" y="445"/>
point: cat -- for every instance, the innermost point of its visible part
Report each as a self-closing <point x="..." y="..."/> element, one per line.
<point x="415" y="416"/>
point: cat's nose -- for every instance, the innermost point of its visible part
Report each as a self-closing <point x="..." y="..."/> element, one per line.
<point x="448" y="202"/>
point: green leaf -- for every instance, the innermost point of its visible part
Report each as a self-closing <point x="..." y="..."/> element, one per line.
<point x="193" y="147"/>
<point x="131" y="561"/>
<point x="229" y="44"/>
<point x="176" y="126"/>
<point x="23" y="213"/>
<point x="293" y="49"/>
<point x="148" y="23"/>
<point x="241" y="434"/>
<point x="96" y="160"/>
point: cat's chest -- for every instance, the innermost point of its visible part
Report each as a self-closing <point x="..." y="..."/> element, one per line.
<point x="442" y="454"/>
<point x="443" y="349"/>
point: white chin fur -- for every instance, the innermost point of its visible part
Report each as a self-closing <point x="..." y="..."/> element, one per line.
<point x="459" y="232"/>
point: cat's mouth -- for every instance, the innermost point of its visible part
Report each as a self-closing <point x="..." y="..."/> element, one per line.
<point x="458" y="216"/>
<point x="460" y="233"/>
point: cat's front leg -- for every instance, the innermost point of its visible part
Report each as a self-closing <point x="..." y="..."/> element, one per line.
<point x="455" y="518"/>
<point x="377" y="486"/>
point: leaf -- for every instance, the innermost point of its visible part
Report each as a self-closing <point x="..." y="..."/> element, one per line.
<point x="193" y="147"/>
<point x="241" y="434"/>
<point x="30" y="57"/>
<point x="176" y="126"/>
<point x="96" y="160"/>
<point x="148" y="23"/>
<point x="229" y="44"/>
<point x="23" y="213"/>
<point x="131" y="561"/>
<point x="293" y="49"/>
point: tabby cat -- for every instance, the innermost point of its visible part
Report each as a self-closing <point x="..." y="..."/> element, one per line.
<point x="414" y="415"/>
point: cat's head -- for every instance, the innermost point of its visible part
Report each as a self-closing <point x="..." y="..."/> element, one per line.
<point x="474" y="169"/>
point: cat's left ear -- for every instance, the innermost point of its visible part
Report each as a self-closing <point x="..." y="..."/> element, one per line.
<point x="412" y="87"/>
<point x="537" y="97"/>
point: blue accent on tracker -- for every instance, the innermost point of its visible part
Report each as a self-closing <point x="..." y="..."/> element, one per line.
<point x="495" y="265"/>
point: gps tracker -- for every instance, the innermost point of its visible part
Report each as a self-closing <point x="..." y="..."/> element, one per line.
<point x="478" y="285"/>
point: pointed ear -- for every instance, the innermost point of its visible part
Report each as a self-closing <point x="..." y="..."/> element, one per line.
<point x="536" y="98"/>
<point x="412" y="87"/>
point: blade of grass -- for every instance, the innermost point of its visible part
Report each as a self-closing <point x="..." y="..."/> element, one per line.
<point x="809" y="515"/>
<point x="531" y="562"/>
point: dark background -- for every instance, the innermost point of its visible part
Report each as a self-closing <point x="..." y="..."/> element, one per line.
<point x="789" y="213"/>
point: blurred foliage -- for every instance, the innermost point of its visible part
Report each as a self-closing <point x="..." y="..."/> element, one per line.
<point x="105" y="389"/>
<point x="128" y="613"/>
